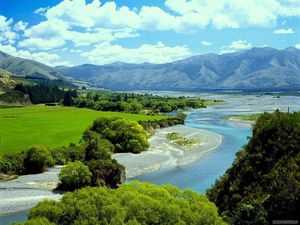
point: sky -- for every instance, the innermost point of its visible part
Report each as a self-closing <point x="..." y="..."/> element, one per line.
<point x="74" y="32"/>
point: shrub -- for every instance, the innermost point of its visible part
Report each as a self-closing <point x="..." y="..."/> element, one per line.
<point x="132" y="203"/>
<point x="74" y="175"/>
<point x="37" y="159"/>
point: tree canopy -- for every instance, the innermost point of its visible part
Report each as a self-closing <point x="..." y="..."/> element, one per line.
<point x="263" y="183"/>
<point x="133" y="203"/>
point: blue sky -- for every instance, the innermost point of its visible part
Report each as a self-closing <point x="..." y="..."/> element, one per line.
<point x="72" y="32"/>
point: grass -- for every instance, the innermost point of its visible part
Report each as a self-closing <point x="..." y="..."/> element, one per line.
<point x="53" y="126"/>
<point x="182" y="141"/>
<point x="247" y="117"/>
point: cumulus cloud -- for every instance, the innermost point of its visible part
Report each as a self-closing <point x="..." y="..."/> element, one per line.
<point x="41" y="44"/>
<point x="43" y="57"/>
<point x="297" y="46"/>
<point x="236" y="46"/>
<point x="20" y="26"/>
<point x="159" y="53"/>
<point x="284" y="31"/>
<point x="7" y="35"/>
<point x="206" y="43"/>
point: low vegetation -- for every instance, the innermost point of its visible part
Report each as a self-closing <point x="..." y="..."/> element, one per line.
<point x="133" y="203"/>
<point x="53" y="126"/>
<point x="183" y="142"/>
<point x="263" y="184"/>
<point x="247" y="117"/>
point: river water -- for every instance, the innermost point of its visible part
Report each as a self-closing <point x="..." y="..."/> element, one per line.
<point x="202" y="174"/>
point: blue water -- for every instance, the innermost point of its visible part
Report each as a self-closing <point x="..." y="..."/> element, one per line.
<point x="202" y="174"/>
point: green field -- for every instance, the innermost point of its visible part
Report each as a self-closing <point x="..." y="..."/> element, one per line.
<point x="53" y="126"/>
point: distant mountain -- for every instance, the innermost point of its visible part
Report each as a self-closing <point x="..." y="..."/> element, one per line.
<point x="257" y="68"/>
<point x="25" y="67"/>
<point x="31" y="69"/>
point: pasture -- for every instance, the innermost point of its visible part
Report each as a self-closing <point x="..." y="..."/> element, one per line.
<point x="52" y="126"/>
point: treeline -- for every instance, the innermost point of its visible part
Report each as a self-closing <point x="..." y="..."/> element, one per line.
<point x="164" y="122"/>
<point x="134" y="203"/>
<point x="134" y="103"/>
<point x="263" y="183"/>
<point x="41" y="92"/>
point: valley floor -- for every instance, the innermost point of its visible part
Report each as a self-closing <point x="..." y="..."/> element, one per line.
<point x="163" y="153"/>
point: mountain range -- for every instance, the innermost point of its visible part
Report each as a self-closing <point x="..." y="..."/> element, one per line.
<point x="256" y="68"/>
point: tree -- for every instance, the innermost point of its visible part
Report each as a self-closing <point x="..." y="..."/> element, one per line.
<point x="37" y="159"/>
<point x="131" y="204"/>
<point x="74" y="175"/>
<point x="96" y="148"/>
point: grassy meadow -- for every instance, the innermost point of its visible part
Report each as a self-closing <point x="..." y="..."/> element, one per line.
<point x="52" y="126"/>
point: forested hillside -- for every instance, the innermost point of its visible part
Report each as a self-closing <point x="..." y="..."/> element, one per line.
<point x="263" y="183"/>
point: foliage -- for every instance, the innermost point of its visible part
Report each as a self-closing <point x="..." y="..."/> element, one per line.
<point x="37" y="159"/>
<point x="134" y="103"/>
<point x="263" y="183"/>
<point x="164" y="122"/>
<point x="182" y="141"/>
<point x="107" y="173"/>
<point x="132" y="203"/>
<point x="41" y="92"/>
<point x="126" y="136"/>
<point x="53" y="126"/>
<point x="74" y="175"/>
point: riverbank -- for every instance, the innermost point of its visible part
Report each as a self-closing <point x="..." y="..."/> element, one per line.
<point x="164" y="153"/>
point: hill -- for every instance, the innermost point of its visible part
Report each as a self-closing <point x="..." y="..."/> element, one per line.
<point x="6" y="82"/>
<point x="257" y="68"/>
<point x="53" y="126"/>
<point x="263" y="183"/>
<point x="21" y="67"/>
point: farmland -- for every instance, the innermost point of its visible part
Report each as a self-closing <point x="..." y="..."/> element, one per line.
<point x="52" y="126"/>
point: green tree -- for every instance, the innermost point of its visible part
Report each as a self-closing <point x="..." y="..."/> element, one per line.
<point x="133" y="203"/>
<point x="37" y="159"/>
<point x="74" y="175"/>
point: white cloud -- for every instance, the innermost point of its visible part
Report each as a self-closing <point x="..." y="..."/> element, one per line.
<point x="284" y="31"/>
<point x="41" y="44"/>
<point x="236" y="46"/>
<point x="206" y="43"/>
<point x="41" y="10"/>
<point x="297" y="46"/>
<point x="159" y="53"/>
<point x="42" y="57"/>
<point x="20" y="26"/>
<point x="7" y="36"/>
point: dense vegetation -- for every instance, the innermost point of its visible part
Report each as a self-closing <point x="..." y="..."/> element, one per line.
<point x="263" y="183"/>
<point x="163" y="122"/>
<point x="133" y="203"/>
<point x="59" y="126"/>
<point x="44" y="92"/>
<point x="134" y="103"/>
<point x="126" y="136"/>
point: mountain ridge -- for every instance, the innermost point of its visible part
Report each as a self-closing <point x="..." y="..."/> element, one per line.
<point x="255" y="68"/>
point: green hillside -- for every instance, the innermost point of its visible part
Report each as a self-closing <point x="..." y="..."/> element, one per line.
<point x="51" y="126"/>
<point x="263" y="183"/>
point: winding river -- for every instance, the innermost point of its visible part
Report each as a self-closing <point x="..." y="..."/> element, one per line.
<point x="201" y="174"/>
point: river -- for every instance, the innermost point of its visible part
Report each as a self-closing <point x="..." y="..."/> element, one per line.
<point x="201" y="174"/>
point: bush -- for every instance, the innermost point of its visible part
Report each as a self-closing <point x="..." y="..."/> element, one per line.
<point x="126" y="136"/>
<point x="132" y="203"/>
<point x="37" y="159"/>
<point x="74" y="175"/>
<point x="107" y="173"/>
